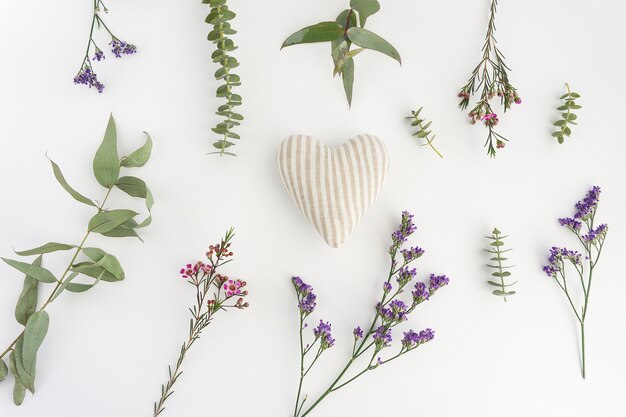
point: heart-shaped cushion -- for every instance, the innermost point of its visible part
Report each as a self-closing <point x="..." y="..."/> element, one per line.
<point x="333" y="187"/>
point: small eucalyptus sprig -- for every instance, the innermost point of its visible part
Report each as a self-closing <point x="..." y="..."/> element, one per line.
<point x="498" y="260"/>
<point x="95" y="266"/>
<point x="220" y="17"/>
<point x="342" y="33"/>
<point x="567" y="117"/>
<point x="204" y="277"/>
<point x="369" y="344"/>
<point x="591" y="237"/>
<point x="491" y="75"/>
<point x="422" y="130"/>
<point x="86" y="74"/>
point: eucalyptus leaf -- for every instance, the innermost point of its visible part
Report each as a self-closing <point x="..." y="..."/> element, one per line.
<point x="109" y="220"/>
<point x="369" y="40"/>
<point x="122" y="231"/>
<point x="4" y="370"/>
<point x="37" y="272"/>
<point x="366" y="8"/>
<point x="321" y="32"/>
<point x="34" y="334"/>
<point x="107" y="261"/>
<point x="63" y="285"/>
<point x="132" y="186"/>
<point x="347" y="76"/>
<point x="47" y="248"/>
<point x="19" y="390"/>
<point x="106" y="165"/>
<point x="27" y="301"/>
<point x="61" y="180"/>
<point x="140" y="156"/>
<point x="149" y="204"/>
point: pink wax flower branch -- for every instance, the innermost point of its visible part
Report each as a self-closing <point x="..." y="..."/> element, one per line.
<point x="491" y="80"/>
<point x="214" y="293"/>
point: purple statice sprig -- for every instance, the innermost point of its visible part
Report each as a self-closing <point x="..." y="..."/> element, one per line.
<point x="86" y="74"/>
<point x="394" y="308"/>
<point x="591" y="238"/>
<point x="214" y="293"/>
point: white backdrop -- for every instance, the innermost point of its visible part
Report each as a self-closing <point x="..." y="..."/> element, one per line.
<point x="107" y="351"/>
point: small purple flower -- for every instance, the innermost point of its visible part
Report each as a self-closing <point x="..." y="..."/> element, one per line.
<point x="382" y="337"/>
<point x="420" y="293"/>
<point x="99" y="55"/>
<point x="586" y="207"/>
<point x="412" y="339"/>
<point x="596" y="234"/>
<point x="87" y="77"/>
<point x="396" y="312"/>
<point x="119" y="48"/>
<point x="405" y="275"/>
<point x="387" y="287"/>
<point x="406" y="228"/>
<point x="555" y="260"/>
<point x="300" y="286"/>
<point x="358" y="332"/>
<point x="306" y="298"/>
<point x="436" y="282"/>
<point x="412" y="253"/>
<point x="322" y="332"/>
<point x="570" y="223"/>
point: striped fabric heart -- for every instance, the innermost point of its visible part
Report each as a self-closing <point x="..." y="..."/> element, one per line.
<point x="333" y="187"/>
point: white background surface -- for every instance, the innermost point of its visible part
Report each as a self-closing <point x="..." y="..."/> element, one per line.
<point x="107" y="351"/>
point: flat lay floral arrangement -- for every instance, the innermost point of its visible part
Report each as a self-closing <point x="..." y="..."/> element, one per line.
<point x="333" y="188"/>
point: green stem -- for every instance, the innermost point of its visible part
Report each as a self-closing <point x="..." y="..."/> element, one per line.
<point x="302" y="353"/>
<point x="582" y="333"/>
<point x="79" y="248"/>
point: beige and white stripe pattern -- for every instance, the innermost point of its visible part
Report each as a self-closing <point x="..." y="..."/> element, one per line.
<point x="333" y="187"/>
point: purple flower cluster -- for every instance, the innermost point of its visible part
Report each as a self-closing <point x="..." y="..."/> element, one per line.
<point x="89" y="78"/>
<point x="394" y="313"/>
<point x="555" y="260"/>
<point x="306" y="298"/>
<point x="586" y="207"/>
<point x="358" y="332"/>
<point x="405" y="275"/>
<point x="406" y="229"/>
<point x="411" y="254"/>
<point x="436" y="282"/>
<point x="413" y="339"/>
<point x="120" y="48"/>
<point x="99" y="55"/>
<point x="322" y="332"/>
<point x="420" y="293"/>
<point x="387" y="287"/>
<point x="596" y="234"/>
<point x="570" y="223"/>
<point x="382" y="337"/>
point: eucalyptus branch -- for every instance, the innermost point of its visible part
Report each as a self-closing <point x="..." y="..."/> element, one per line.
<point x="98" y="265"/>
<point x="219" y="290"/>
<point x="501" y="272"/>
<point x="568" y="117"/>
<point x="220" y="17"/>
<point x="490" y="75"/>
<point x="422" y="130"/>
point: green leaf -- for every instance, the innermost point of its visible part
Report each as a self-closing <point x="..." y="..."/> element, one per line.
<point x="109" y="220"/>
<point x="562" y="108"/>
<point x="347" y="75"/>
<point x="34" y="334"/>
<point x="567" y="131"/>
<point x="106" y="166"/>
<point x="27" y="301"/>
<point x="140" y="156"/>
<point x="503" y="293"/>
<point x="321" y="32"/>
<point x="19" y="390"/>
<point x="557" y="134"/>
<point x="37" y="272"/>
<point x="149" y="204"/>
<point x="47" y="248"/>
<point x="61" y="180"/>
<point x="4" y="370"/>
<point x="560" y="123"/>
<point x="122" y="231"/>
<point x="369" y="40"/>
<point x="108" y="262"/>
<point x="366" y="8"/>
<point x="132" y="186"/>
<point x="92" y="270"/>
<point x="64" y="284"/>
<point x="575" y="95"/>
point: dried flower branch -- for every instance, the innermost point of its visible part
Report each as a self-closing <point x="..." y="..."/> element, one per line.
<point x="422" y="130"/>
<point x="97" y="265"/>
<point x="498" y="260"/>
<point x="491" y="75"/>
<point x="341" y="34"/>
<point x="390" y="311"/>
<point x="592" y="239"/>
<point x="220" y="17"/>
<point x="86" y="75"/>
<point x="204" y="277"/>
<point x="568" y="117"/>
